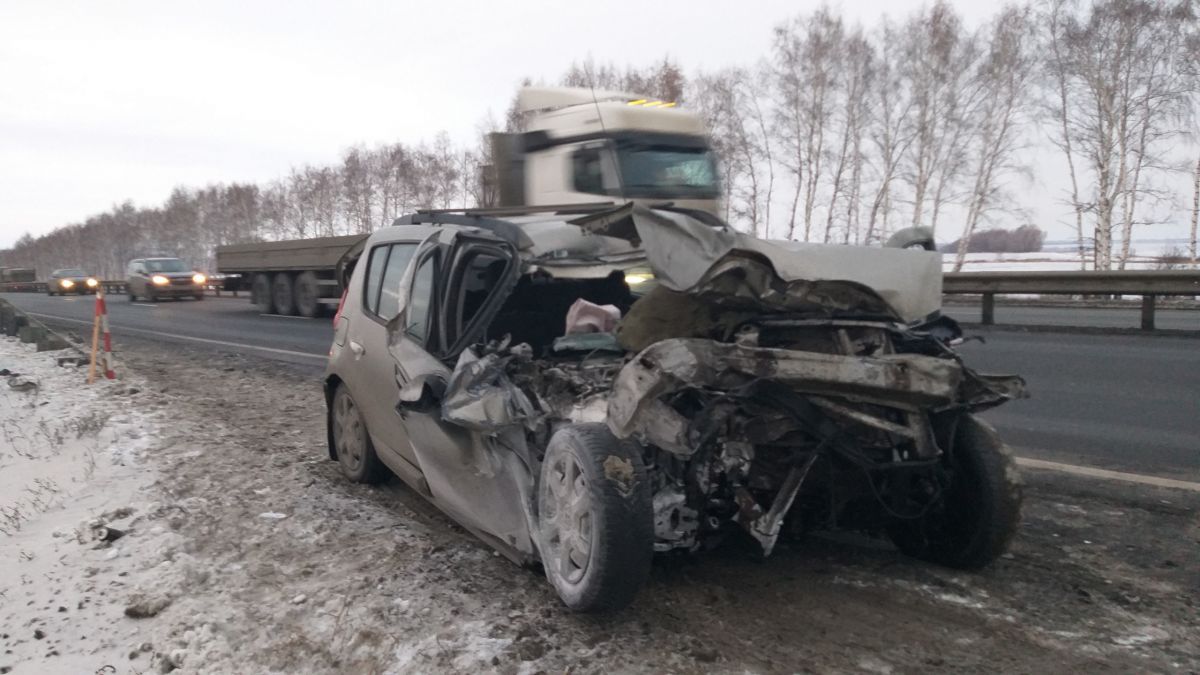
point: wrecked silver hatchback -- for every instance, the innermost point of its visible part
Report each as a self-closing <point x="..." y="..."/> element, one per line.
<point x="590" y="390"/>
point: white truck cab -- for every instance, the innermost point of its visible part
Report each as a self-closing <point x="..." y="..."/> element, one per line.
<point x="585" y="146"/>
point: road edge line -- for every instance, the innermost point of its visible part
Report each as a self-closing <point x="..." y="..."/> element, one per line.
<point x="1107" y="474"/>
<point x="223" y="343"/>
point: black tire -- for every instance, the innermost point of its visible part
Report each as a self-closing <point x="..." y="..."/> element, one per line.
<point x="150" y="296"/>
<point x="980" y="509"/>
<point x="130" y="294"/>
<point x="307" y="294"/>
<point x="199" y="296"/>
<point x="283" y="295"/>
<point x="50" y="293"/>
<point x="260" y="293"/>
<point x="351" y="442"/>
<point x="606" y="479"/>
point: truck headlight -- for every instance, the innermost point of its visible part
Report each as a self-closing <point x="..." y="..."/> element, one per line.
<point x="199" y="278"/>
<point x="159" y="280"/>
<point x="66" y="283"/>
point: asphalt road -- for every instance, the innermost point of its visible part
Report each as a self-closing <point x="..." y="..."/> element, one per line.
<point x="1172" y="319"/>
<point x="1122" y="402"/>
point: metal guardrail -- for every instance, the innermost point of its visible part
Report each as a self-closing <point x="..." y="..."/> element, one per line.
<point x="1147" y="283"/>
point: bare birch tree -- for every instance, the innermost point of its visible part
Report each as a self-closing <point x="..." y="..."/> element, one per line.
<point x="1002" y="78"/>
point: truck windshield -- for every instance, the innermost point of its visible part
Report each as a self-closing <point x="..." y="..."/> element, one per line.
<point x="165" y="265"/>
<point x="667" y="171"/>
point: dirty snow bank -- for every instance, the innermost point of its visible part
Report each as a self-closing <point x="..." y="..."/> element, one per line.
<point x="68" y="462"/>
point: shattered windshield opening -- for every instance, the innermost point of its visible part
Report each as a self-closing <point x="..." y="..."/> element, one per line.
<point x="667" y="171"/>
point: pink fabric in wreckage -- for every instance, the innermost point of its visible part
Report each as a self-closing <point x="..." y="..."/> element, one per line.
<point x="588" y="317"/>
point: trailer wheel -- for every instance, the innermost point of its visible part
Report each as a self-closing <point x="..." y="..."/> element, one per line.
<point x="308" y="294"/>
<point x="283" y="294"/>
<point x="260" y="293"/>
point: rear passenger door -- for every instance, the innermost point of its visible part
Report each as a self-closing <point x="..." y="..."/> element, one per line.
<point x="375" y="372"/>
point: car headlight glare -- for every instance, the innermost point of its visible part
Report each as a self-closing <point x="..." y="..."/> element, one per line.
<point x="199" y="278"/>
<point x="66" y="283"/>
<point x="159" y="280"/>
<point x="635" y="278"/>
<point x="92" y="283"/>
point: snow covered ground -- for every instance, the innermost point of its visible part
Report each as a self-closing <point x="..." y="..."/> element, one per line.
<point x="69" y="462"/>
<point x="246" y="551"/>
<point x="1041" y="261"/>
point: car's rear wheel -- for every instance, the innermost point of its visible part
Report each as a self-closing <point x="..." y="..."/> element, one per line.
<point x="199" y="296"/>
<point x="980" y="508"/>
<point x="352" y="443"/>
<point x="596" y="529"/>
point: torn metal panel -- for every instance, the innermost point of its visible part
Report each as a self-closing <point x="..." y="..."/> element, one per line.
<point x="900" y="380"/>
<point x="481" y="396"/>
<point x="687" y="255"/>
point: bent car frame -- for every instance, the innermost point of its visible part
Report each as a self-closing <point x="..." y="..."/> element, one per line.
<point x="586" y="387"/>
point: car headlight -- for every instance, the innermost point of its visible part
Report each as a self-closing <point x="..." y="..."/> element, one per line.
<point x="159" y="280"/>
<point x="66" y="283"/>
<point x="199" y="278"/>
<point x="92" y="283"/>
<point x="635" y="278"/>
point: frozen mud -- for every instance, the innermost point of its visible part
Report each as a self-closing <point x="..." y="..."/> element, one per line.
<point x="245" y="551"/>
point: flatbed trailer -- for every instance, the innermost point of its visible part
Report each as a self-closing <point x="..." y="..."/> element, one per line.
<point x="297" y="276"/>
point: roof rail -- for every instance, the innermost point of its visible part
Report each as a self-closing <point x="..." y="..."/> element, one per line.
<point x="587" y="207"/>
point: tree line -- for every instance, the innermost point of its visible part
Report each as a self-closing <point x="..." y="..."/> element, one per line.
<point x="839" y="133"/>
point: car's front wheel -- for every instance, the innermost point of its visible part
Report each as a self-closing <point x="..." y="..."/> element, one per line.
<point x="979" y="510"/>
<point x="352" y="443"/>
<point x="596" y="523"/>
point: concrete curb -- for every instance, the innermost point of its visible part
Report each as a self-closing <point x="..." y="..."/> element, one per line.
<point x="18" y="324"/>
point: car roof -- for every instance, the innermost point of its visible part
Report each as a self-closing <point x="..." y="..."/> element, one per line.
<point x="538" y="235"/>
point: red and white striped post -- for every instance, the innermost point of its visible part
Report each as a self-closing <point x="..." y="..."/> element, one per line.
<point x="99" y="326"/>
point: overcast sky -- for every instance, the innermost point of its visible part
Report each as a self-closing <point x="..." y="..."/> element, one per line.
<point x="106" y="101"/>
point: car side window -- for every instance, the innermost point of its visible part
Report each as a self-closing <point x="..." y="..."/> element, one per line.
<point x="389" y="292"/>
<point x="587" y="172"/>
<point x="375" y="266"/>
<point x="420" y="301"/>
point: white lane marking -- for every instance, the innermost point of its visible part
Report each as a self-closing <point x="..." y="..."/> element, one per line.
<point x="143" y="304"/>
<point x="284" y="316"/>
<point x="176" y="336"/>
<point x="1105" y="474"/>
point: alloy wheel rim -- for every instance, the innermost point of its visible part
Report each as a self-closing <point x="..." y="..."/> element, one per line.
<point x="349" y="441"/>
<point x="567" y="519"/>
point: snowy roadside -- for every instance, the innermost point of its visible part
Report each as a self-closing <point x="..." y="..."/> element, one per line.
<point x="69" y="464"/>
<point x="246" y="551"/>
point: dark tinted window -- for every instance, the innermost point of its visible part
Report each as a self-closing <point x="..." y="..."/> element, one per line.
<point x="389" y="292"/>
<point x="481" y="277"/>
<point x="374" y="278"/>
<point x="420" y="301"/>
<point x="166" y="265"/>
<point x="589" y="176"/>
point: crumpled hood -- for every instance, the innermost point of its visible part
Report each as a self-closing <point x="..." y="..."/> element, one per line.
<point x="694" y="257"/>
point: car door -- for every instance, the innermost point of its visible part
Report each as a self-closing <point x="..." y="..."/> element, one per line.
<point x="480" y="483"/>
<point x="372" y="377"/>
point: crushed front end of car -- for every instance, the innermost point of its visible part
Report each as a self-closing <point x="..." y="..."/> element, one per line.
<point x="769" y="388"/>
